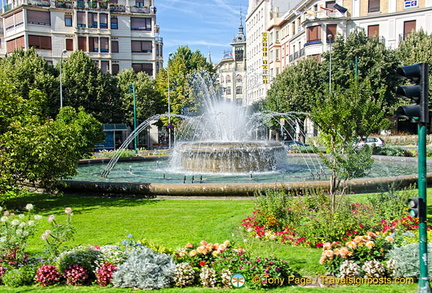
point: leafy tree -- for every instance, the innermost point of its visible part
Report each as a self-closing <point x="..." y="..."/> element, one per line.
<point x="343" y="115"/>
<point x="26" y="71"/>
<point x="295" y="89"/>
<point x="183" y="63"/>
<point x="84" y="85"/>
<point x="34" y="149"/>
<point x="149" y="100"/>
<point x="374" y="61"/>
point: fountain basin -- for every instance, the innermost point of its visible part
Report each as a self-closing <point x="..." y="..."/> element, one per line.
<point x="230" y="157"/>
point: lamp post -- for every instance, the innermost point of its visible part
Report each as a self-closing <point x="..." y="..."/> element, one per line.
<point x="329" y="38"/>
<point x="61" y="87"/>
<point x="169" y="104"/>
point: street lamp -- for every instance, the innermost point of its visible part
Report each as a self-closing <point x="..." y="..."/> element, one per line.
<point x="329" y="38"/>
<point x="61" y="87"/>
<point x="169" y="104"/>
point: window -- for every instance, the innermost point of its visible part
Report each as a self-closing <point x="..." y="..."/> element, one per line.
<point x="114" y="23"/>
<point x="228" y="91"/>
<point x="15" y="44"/>
<point x="103" y="20"/>
<point x="140" y="4"/>
<point x="68" y="20"/>
<point x="330" y="4"/>
<point x="228" y="79"/>
<point x="238" y="90"/>
<point x="92" y="20"/>
<point x="81" y="19"/>
<point x="69" y="44"/>
<point x="82" y="44"/>
<point x="409" y="27"/>
<point x="373" y="31"/>
<point x="142" y="46"/>
<point x="93" y="44"/>
<point x="104" y="47"/>
<point x="141" y="24"/>
<point x="105" y="66"/>
<point x="143" y="67"/>
<point x="373" y="5"/>
<point x="39" y="42"/>
<point x="114" y="46"/>
<point x="239" y="78"/>
<point x="331" y="29"/>
<point x="314" y="33"/>
<point x="115" y="69"/>
<point x="38" y="17"/>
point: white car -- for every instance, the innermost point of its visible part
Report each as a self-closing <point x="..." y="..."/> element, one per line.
<point x="370" y="140"/>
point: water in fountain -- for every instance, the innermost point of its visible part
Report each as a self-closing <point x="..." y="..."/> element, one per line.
<point x="225" y="139"/>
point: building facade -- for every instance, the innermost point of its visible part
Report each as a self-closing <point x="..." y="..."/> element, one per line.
<point x="279" y="37"/>
<point x="116" y="34"/>
<point x="231" y="70"/>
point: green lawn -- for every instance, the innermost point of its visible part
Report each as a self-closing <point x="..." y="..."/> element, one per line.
<point x="171" y="223"/>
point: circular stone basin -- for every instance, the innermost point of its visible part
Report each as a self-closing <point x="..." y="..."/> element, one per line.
<point x="230" y="157"/>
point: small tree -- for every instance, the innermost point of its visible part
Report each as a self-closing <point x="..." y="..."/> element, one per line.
<point x="343" y="115"/>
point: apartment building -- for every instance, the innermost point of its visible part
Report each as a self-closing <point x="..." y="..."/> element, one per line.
<point x="282" y="32"/>
<point x="231" y="70"/>
<point x="116" y="34"/>
<point x="311" y="27"/>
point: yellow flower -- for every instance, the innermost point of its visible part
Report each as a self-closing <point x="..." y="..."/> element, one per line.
<point x="203" y="242"/>
<point x="336" y="251"/>
<point x="351" y="245"/>
<point x="189" y="245"/>
<point x="322" y="259"/>
<point x="389" y="239"/>
<point x="327" y="246"/>
<point x="370" y="244"/>
<point x="329" y="253"/>
<point x="227" y="243"/>
<point x="371" y="234"/>
<point x="215" y="253"/>
<point x="344" y="252"/>
<point x="192" y="253"/>
<point x="358" y="239"/>
<point x="221" y="247"/>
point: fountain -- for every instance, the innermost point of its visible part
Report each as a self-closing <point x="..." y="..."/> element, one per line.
<point x="223" y="150"/>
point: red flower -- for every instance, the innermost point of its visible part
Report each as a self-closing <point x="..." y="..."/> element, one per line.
<point x="202" y="263"/>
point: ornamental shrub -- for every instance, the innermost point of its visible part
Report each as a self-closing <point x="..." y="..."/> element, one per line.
<point x="23" y="276"/>
<point x="145" y="269"/>
<point x="76" y="275"/>
<point x="406" y="260"/>
<point x="84" y="257"/>
<point x="104" y="274"/>
<point x="184" y="275"/>
<point x="48" y="275"/>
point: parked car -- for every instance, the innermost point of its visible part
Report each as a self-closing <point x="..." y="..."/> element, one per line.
<point x="370" y="140"/>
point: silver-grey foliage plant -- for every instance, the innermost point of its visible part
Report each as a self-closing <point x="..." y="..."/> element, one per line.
<point x="145" y="269"/>
<point x="407" y="263"/>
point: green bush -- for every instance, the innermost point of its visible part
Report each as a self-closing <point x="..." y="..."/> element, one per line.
<point x="389" y="206"/>
<point x="85" y="257"/>
<point x="22" y="276"/>
<point x="392" y="151"/>
<point x="407" y="260"/>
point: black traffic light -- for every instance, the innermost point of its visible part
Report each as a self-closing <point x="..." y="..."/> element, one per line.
<point x="415" y="207"/>
<point x="418" y="74"/>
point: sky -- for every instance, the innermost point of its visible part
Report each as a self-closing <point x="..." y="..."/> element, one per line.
<point x="204" y="25"/>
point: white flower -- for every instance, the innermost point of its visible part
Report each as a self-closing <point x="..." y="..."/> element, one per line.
<point x="21" y="216"/>
<point x="18" y="231"/>
<point x="51" y="218"/>
<point x="15" y="222"/>
<point x="29" y="207"/>
<point x="4" y="219"/>
<point x="37" y="217"/>
<point x="3" y="239"/>
<point x="22" y="224"/>
<point x="46" y="234"/>
<point x="26" y="233"/>
<point x="68" y="211"/>
<point x="31" y="223"/>
<point x="1" y="209"/>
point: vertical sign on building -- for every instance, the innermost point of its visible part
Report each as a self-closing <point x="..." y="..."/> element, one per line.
<point x="265" y="74"/>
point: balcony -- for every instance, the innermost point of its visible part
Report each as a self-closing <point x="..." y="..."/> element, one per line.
<point x="117" y="8"/>
<point x="64" y="4"/>
<point x="144" y="9"/>
<point x="44" y="3"/>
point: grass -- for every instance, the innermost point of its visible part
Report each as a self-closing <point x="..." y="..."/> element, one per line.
<point x="171" y="223"/>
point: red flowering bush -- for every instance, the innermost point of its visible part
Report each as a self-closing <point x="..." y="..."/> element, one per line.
<point x="75" y="275"/>
<point x="104" y="274"/>
<point x="48" y="275"/>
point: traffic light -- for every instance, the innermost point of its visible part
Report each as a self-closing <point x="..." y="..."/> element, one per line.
<point x="418" y="74"/>
<point x="415" y="207"/>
